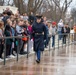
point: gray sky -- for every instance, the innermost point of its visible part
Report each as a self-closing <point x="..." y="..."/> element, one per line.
<point x="73" y="3"/>
<point x="71" y="6"/>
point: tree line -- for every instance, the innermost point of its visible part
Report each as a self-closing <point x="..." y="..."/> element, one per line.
<point x="54" y="9"/>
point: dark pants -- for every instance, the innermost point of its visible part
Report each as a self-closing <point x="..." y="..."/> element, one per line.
<point x="8" y="49"/>
<point x="22" y="49"/>
<point x="64" y="39"/>
<point x="74" y="38"/>
<point x="53" y="40"/>
<point x="1" y="50"/>
<point x="15" y="46"/>
<point x="20" y="44"/>
<point x="38" y="53"/>
<point x="47" y="41"/>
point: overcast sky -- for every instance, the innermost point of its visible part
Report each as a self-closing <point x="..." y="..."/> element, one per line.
<point x="73" y="4"/>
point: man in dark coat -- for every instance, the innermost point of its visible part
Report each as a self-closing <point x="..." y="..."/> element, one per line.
<point x="31" y="18"/>
<point x="39" y="34"/>
<point x="5" y="17"/>
<point x="64" y="32"/>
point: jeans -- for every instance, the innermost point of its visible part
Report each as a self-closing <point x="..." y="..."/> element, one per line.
<point x="46" y="42"/>
<point x="59" y="36"/>
<point x="53" y="40"/>
<point x="64" y="39"/>
<point x="38" y="53"/>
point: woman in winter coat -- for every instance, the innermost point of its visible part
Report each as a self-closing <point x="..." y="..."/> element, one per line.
<point x="1" y="40"/>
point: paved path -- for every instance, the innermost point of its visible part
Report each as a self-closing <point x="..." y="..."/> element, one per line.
<point x="56" y="62"/>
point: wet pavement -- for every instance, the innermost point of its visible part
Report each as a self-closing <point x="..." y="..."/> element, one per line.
<point x="60" y="61"/>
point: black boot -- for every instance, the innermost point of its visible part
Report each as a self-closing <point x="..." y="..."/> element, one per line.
<point x="38" y="61"/>
<point x="22" y="52"/>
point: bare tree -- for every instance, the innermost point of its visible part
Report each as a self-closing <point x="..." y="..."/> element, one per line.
<point x="34" y="5"/>
<point x="73" y="14"/>
<point x="53" y="10"/>
<point x="2" y="2"/>
<point x="20" y="5"/>
<point x="61" y="6"/>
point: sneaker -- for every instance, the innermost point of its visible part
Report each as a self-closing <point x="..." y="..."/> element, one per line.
<point x="22" y="53"/>
<point x="1" y="59"/>
<point x="32" y="48"/>
<point x="25" y="49"/>
<point x="12" y="56"/>
<point x="46" y="48"/>
<point x="52" y="48"/>
<point x="7" y="56"/>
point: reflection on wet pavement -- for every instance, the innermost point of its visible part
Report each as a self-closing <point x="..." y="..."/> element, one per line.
<point x="57" y="62"/>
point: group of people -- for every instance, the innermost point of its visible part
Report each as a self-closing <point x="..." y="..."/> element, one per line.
<point x="12" y="25"/>
<point x="63" y="31"/>
<point x="37" y="27"/>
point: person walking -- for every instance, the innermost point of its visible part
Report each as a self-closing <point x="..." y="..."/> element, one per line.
<point x="1" y="40"/>
<point x="60" y="25"/>
<point x="75" y="34"/>
<point x="64" y="32"/>
<point x="39" y="34"/>
<point x="53" y="31"/>
<point x="72" y="34"/>
<point x="20" y="32"/>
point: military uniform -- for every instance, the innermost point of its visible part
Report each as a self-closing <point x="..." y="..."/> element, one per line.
<point x="39" y="34"/>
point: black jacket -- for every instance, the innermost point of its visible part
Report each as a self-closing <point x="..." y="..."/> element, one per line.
<point x="39" y="39"/>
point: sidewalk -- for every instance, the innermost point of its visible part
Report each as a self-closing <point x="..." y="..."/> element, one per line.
<point x="55" y="62"/>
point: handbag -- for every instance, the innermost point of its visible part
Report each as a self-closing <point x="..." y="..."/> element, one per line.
<point x="25" y="38"/>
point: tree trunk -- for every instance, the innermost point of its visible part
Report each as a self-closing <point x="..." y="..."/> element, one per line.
<point x="30" y="6"/>
<point x="19" y="4"/>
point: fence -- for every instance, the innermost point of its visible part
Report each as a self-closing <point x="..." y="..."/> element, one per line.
<point x="70" y="39"/>
<point x="58" y="43"/>
<point x="16" y="37"/>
